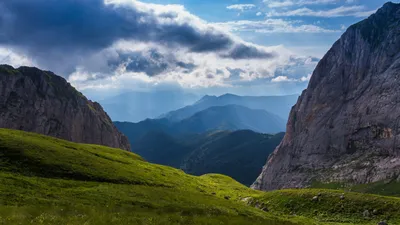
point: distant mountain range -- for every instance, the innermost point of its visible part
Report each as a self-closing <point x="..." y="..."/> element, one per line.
<point x="238" y="154"/>
<point x="214" y="140"/>
<point x="178" y="105"/>
<point x="279" y="105"/>
<point x="138" y="106"/>
<point x="229" y="117"/>
<point x="232" y="117"/>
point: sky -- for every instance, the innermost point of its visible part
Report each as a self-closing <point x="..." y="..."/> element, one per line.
<point x="245" y="47"/>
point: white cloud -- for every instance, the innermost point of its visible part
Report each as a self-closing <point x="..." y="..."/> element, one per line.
<point x="272" y="26"/>
<point x="281" y="79"/>
<point x="210" y="70"/>
<point x="241" y="7"/>
<point x="275" y="4"/>
<point x="305" y="78"/>
<point x="289" y="3"/>
<point x="12" y="58"/>
<point x="354" y="11"/>
<point x="259" y="14"/>
<point x="164" y="55"/>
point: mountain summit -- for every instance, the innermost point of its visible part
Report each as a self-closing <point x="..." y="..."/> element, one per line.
<point x="278" y="105"/>
<point x="42" y="102"/>
<point x="345" y="127"/>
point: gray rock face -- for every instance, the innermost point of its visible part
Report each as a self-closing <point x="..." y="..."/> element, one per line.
<point x="42" y="102"/>
<point x="345" y="126"/>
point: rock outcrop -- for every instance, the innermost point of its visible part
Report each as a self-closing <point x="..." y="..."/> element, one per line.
<point x="345" y="126"/>
<point x="42" y="102"/>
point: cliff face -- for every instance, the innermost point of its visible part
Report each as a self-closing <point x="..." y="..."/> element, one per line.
<point x="345" y="126"/>
<point x="42" y="102"/>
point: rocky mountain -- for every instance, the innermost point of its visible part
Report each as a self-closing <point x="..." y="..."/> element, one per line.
<point x="345" y="127"/>
<point x="238" y="154"/>
<point x="279" y="105"/>
<point x="42" y="102"/>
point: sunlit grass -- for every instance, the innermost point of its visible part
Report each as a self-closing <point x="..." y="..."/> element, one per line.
<point x="44" y="180"/>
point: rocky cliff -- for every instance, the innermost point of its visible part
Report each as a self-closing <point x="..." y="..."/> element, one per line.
<point x="42" y="102"/>
<point x="345" y="127"/>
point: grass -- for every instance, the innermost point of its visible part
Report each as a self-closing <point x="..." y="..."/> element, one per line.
<point x="45" y="180"/>
<point x="332" y="206"/>
<point x="388" y="188"/>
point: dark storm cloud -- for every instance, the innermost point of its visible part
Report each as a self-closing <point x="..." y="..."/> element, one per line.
<point x="151" y="62"/>
<point x="142" y="64"/>
<point x="83" y="24"/>
<point x="188" y="66"/>
<point x="48" y="30"/>
<point x="250" y="52"/>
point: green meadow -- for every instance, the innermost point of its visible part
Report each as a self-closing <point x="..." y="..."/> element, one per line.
<point x="44" y="180"/>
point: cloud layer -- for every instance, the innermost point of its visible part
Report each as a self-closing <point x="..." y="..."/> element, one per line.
<point x="289" y="3"/>
<point x="114" y="43"/>
<point x="241" y="7"/>
<point x="273" y="26"/>
<point x="71" y="26"/>
<point x="354" y="11"/>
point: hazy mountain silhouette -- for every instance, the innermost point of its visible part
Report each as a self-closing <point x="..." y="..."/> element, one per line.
<point x="229" y="117"/>
<point x="137" y="106"/>
<point x="279" y="105"/>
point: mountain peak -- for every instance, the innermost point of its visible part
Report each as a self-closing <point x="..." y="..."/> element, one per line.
<point x="39" y="101"/>
<point x="376" y="28"/>
<point x="228" y="95"/>
<point x="389" y="5"/>
<point x="206" y="98"/>
<point x="7" y="70"/>
<point x="389" y="9"/>
<point x="347" y="115"/>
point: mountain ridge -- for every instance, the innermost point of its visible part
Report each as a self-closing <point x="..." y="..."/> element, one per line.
<point x="279" y="105"/>
<point x="233" y="117"/>
<point x="239" y="154"/>
<point x="210" y="152"/>
<point x="40" y="101"/>
<point x="344" y="127"/>
<point x="228" y="117"/>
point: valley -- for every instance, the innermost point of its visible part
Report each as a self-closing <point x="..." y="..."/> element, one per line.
<point x="46" y="180"/>
<point x="157" y="150"/>
<point x="232" y="140"/>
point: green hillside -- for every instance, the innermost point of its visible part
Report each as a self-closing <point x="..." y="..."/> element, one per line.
<point x="237" y="154"/>
<point x="44" y="180"/>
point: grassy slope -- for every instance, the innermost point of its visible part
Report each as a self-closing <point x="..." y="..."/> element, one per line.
<point x="389" y="188"/>
<point x="50" y="181"/>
